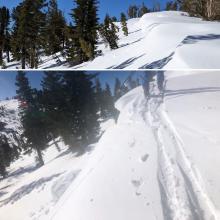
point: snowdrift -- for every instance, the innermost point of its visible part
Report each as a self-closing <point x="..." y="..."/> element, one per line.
<point x="158" y="162"/>
<point x="159" y="40"/>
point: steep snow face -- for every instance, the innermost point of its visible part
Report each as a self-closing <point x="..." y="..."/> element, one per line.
<point x="159" y="162"/>
<point x="159" y="40"/>
<point x="9" y="116"/>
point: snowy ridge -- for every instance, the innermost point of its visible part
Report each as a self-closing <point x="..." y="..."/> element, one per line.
<point x="158" y="40"/>
<point x="140" y="170"/>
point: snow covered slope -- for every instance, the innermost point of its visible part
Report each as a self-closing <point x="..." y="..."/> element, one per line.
<point x="168" y="40"/>
<point x="161" y="160"/>
<point x="11" y="126"/>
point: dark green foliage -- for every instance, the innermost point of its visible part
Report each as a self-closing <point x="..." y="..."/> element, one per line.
<point x="55" y="29"/>
<point x="143" y="10"/>
<point x="80" y="109"/>
<point x="6" y="155"/>
<point x="108" y="102"/>
<point x="27" y="37"/>
<point x="194" y="7"/>
<point x="124" y="24"/>
<point x="117" y="89"/>
<point x="4" y="33"/>
<point x="114" y="19"/>
<point x="108" y="32"/>
<point x="171" y="6"/>
<point x="32" y="116"/>
<point x="86" y="26"/>
<point x="133" y="11"/>
<point x="99" y="98"/>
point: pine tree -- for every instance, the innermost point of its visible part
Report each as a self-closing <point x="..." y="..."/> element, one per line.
<point x="108" y="102"/>
<point x="55" y="29"/>
<point x="29" y="22"/>
<point x="114" y="19"/>
<point x="32" y="116"/>
<point x="6" y="155"/>
<point x="143" y="10"/>
<point x="133" y="11"/>
<point x="108" y="32"/>
<point x="53" y="103"/>
<point x="124" y="24"/>
<point x="86" y="26"/>
<point x="117" y="89"/>
<point x="171" y="6"/>
<point x="99" y="97"/>
<point x="81" y="110"/>
<point x="4" y="33"/>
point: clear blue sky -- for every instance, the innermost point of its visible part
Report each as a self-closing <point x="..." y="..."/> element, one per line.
<point x="8" y="88"/>
<point x="113" y="7"/>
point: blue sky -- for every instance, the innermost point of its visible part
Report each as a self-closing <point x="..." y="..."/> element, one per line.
<point x="8" y="88"/>
<point x="113" y="7"/>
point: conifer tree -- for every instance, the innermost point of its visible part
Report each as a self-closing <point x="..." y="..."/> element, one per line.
<point x="29" y="23"/>
<point x="117" y="89"/>
<point x="108" y="32"/>
<point x="124" y="24"/>
<point x="32" y="116"/>
<point x="86" y="26"/>
<point x="4" y="33"/>
<point x="108" y="102"/>
<point x="99" y="97"/>
<point x="5" y="155"/>
<point x="55" y="29"/>
<point x="53" y="103"/>
<point x="81" y="111"/>
<point x="133" y="11"/>
<point x="143" y="10"/>
<point x="171" y="6"/>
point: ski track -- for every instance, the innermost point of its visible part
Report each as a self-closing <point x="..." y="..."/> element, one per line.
<point x="183" y="195"/>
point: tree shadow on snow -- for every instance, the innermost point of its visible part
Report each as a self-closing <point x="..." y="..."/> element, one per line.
<point x="124" y="45"/>
<point x="192" y="39"/>
<point x="27" y="189"/>
<point x="159" y="64"/>
<point x="23" y="170"/>
<point x="182" y="92"/>
<point x="127" y="62"/>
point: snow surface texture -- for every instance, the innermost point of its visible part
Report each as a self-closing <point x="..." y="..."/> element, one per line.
<point x="9" y="116"/>
<point x="159" y="40"/>
<point x="154" y="164"/>
<point x="160" y="161"/>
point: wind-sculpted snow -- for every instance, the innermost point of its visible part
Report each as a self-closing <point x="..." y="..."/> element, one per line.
<point x="159" y="40"/>
<point x="142" y="168"/>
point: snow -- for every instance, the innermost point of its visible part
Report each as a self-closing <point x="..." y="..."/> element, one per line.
<point x="159" y="161"/>
<point x="160" y="40"/>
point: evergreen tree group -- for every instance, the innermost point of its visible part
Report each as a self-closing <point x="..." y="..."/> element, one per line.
<point x="108" y="31"/>
<point x="68" y="106"/>
<point x="135" y="11"/>
<point x="4" y="33"/>
<point x="124" y="24"/>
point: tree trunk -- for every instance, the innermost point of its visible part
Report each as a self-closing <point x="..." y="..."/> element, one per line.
<point x="8" y="56"/>
<point x="40" y="157"/>
<point x="23" y="58"/>
<point x="55" y="143"/>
